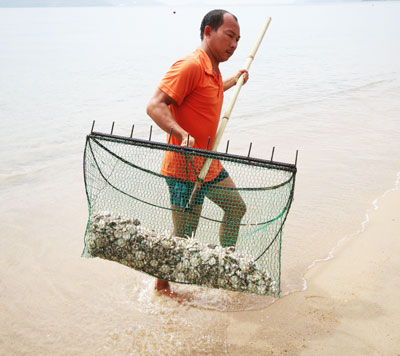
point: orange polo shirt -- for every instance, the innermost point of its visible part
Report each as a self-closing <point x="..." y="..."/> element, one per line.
<point x="198" y="94"/>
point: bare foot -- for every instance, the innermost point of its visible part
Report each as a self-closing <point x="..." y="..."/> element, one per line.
<point x="162" y="287"/>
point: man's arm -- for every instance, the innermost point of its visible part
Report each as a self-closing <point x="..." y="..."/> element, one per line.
<point x="159" y="111"/>
<point x="232" y="81"/>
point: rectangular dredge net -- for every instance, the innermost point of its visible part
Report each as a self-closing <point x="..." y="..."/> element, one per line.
<point x="141" y="214"/>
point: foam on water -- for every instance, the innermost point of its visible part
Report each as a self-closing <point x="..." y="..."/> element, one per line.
<point x="363" y="225"/>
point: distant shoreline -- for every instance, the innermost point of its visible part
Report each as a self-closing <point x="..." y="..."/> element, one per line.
<point x="76" y="3"/>
<point x="132" y="3"/>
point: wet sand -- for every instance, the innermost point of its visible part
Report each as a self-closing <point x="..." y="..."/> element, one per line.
<point x="351" y="305"/>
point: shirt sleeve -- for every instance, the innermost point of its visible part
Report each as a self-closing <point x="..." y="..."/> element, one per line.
<point x="181" y="79"/>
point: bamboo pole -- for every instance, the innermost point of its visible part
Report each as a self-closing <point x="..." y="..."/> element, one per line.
<point x="226" y="116"/>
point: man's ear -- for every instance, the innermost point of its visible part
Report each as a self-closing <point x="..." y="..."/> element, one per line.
<point x="207" y="30"/>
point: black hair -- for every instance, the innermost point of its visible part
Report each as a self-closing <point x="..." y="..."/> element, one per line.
<point x="214" y="19"/>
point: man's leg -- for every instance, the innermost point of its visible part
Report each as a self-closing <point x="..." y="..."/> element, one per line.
<point x="234" y="209"/>
<point x="185" y="222"/>
<point x="185" y="225"/>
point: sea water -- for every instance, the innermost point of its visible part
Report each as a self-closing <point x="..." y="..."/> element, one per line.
<point x="325" y="81"/>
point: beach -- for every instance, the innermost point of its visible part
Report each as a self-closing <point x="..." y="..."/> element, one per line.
<point x="325" y="82"/>
<point x="351" y="305"/>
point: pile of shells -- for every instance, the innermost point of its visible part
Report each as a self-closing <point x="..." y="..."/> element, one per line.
<point x="176" y="259"/>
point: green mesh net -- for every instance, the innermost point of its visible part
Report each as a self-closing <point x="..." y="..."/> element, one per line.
<point x="145" y="213"/>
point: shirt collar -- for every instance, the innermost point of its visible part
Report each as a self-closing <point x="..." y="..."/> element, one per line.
<point x="205" y="59"/>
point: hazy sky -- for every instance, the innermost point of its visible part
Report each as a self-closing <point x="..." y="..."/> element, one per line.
<point x="221" y="2"/>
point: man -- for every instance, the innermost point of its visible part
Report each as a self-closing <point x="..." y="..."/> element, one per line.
<point x="188" y="103"/>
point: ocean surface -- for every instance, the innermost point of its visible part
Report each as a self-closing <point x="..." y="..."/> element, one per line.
<point x="326" y="82"/>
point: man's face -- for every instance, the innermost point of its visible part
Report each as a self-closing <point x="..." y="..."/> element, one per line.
<point x="224" y="41"/>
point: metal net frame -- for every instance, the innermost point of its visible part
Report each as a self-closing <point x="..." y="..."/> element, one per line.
<point x="140" y="216"/>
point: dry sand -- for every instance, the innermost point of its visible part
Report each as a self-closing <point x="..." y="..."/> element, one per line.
<point x="351" y="305"/>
